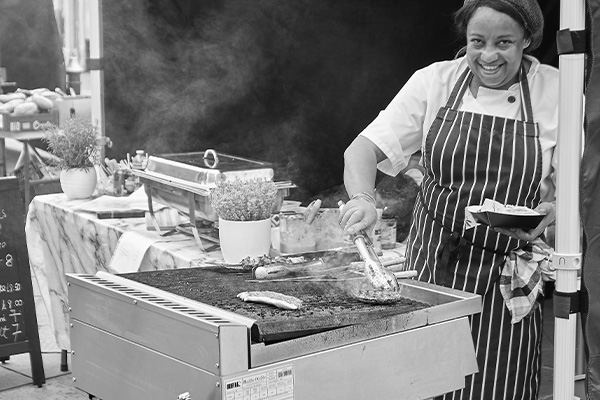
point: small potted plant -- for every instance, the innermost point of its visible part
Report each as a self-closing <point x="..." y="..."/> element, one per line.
<point x="244" y="208"/>
<point x="73" y="143"/>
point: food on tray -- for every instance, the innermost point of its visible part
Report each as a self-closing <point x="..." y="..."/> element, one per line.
<point x="365" y="293"/>
<point x="378" y="296"/>
<point x="498" y="215"/>
<point x="379" y="276"/>
<point x="272" y="298"/>
<point x="250" y="264"/>
<point x="27" y="102"/>
<point x="25" y="108"/>
<point x="43" y="103"/>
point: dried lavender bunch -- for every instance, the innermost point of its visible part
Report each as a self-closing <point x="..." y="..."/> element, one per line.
<point x="243" y="200"/>
<point x="74" y="143"/>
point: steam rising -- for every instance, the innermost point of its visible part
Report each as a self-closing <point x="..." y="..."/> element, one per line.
<point x="291" y="82"/>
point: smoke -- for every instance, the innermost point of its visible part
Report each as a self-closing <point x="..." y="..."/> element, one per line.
<point x="290" y="82"/>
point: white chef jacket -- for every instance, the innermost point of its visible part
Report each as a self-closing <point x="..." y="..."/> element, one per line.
<point x="401" y="128"/>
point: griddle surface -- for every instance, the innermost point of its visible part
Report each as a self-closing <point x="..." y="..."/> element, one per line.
<point x="325" y="305"/>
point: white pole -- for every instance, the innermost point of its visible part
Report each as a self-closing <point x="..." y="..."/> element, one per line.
<point x="81" y="32"/>
<point x="97" y="75"/>
<point x="567" y="258"/>
<point x="68" y="30"/>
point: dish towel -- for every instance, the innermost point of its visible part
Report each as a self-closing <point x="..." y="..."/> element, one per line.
<point x="523" y="276"/>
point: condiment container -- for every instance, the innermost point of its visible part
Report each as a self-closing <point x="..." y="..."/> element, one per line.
<point x="388" y="229"/>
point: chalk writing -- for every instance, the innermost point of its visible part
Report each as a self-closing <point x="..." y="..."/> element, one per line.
<point x="12" y="310"/>
<point x="10" y="287"/>
<point x="7" y="260"/>
<point x="14" y="328"/>
<point x="18" y="323"/>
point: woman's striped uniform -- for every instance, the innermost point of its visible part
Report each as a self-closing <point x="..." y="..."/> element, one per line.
<point x="470" y="157"/>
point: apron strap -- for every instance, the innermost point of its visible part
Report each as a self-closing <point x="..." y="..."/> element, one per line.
<point x="465" y="78"/>
<point x="526" y="108"/>
<point x="460" y="87"/>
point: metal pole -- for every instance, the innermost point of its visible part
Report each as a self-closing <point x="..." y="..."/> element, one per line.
<point x="97" y="75"/>
<point x="567" y="258"/>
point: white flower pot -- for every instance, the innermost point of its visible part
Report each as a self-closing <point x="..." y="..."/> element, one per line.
<point x="78" y="183"/>
<point x="241" y="239"/>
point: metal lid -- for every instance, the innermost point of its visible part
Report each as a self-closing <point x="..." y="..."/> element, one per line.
<point x="206" y="168"/>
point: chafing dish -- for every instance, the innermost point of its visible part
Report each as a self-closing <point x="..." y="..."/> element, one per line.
<point x="183" y="181"/>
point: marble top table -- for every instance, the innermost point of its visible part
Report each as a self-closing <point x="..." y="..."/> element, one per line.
<point x="62" y="238"/>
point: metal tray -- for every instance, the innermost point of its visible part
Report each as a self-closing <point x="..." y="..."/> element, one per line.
<point x="183" y="181"/>
<point x="206" y="168"/>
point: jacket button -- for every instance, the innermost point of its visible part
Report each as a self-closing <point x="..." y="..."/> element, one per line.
<point x="511" y="99"/>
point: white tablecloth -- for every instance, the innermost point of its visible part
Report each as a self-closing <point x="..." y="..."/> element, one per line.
<point x="62" y="239"/>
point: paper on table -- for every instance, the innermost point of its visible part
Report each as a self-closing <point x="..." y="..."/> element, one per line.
<point x="130" y="251"/>
<point x="138" y="200"/>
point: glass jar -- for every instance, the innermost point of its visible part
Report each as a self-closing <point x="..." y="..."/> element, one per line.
<point x="388" y="232"/>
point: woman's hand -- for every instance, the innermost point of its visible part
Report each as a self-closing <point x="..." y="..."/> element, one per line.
<point x="550" y="216"/>
<point x="358" y="214"/>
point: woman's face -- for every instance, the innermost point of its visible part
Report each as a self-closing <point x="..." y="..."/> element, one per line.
<point x="495" y="44"/>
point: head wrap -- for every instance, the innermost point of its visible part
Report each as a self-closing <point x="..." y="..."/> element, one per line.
<point x="532" y="16"/>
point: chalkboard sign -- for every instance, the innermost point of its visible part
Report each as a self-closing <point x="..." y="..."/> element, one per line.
<point x="18" y="322"/>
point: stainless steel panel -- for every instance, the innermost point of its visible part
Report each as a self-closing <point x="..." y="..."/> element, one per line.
<point x="189" y="334"/>
<point x="414" y="364"/>
<point x="112" y="368"/>
<point x="448" y="303"/>
<point x="261" y="354"/>
<point x="445" y="304"/>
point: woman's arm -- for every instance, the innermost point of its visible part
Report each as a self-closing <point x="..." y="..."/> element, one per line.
<point x="360" y="170"/>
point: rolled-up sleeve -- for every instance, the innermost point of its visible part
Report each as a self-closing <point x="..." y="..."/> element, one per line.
<point x="398" y="129"/>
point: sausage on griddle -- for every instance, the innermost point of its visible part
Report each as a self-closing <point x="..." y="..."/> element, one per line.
<point x="272" y="298"/>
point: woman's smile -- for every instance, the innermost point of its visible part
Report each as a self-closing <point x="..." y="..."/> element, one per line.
<point x="491" y="74"/>
<point x="490" y="68"/>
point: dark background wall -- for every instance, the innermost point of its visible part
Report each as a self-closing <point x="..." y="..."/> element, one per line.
<point x="30" y="47"/>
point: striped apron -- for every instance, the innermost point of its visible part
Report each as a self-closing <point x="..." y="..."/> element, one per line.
<point x="469" y="157"/>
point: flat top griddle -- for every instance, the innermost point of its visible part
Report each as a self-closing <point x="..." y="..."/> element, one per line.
<point x="325" y="304"/>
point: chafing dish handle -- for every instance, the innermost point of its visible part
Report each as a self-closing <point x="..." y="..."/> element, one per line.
<point x="215" y="157"/>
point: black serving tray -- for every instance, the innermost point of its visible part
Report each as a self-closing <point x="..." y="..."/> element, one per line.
<point x="508" y="220"/>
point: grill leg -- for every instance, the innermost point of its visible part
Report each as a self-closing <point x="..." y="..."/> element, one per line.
<point x="64" y="364"/>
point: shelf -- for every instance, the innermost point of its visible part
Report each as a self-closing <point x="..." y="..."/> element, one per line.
<point x="25" y="135"/>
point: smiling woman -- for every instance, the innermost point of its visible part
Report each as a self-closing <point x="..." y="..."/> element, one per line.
<point x="497" y="36"/>
<point x="486" y="125"/>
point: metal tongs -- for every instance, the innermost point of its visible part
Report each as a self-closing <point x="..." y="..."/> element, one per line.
<point x="379" y="276"/>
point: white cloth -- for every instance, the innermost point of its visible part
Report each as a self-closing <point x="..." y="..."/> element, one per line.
<point x="400" y="129"/>
<point x="523" y="276"/>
